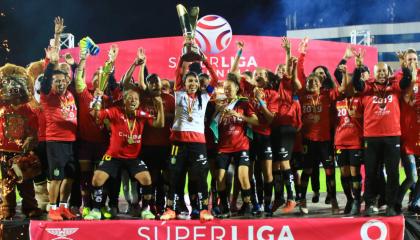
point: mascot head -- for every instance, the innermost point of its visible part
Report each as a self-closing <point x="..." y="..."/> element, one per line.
<point x="14" y="81"/>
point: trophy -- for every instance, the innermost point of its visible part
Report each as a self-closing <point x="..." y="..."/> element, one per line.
<point x="190" y="51"/>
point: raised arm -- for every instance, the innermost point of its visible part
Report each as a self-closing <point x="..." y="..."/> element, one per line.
<point x="80" y="80"/>
<point x="159" y="122"/>
<point x="58" y="29"/>
<point x="141" y="58"/>
<point x="296" y="84"/>
<point x="235" y="65"/>
<point x="53" y="55"/>
<point x="338" y="73"/>
<point x="268" y="115"/>
<point x="126" y="81"/>
<point x="178" y="75"/>
<point x="303" y="46"/>
<point x="213" y="75"/>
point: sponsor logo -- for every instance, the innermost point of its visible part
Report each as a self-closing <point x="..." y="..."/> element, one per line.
<point x="213" y="34"/>
<point x="56" y="172"/>
<point x="377" y="225"/>
<point x="61" y="233"/>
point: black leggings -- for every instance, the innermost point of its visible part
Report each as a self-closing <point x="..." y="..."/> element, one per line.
<point x="378" y="151"/>
<point x="193" y="157"/>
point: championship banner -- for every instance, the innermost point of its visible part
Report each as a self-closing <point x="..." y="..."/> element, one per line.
<point x="382" y="228"/>
<point x="259" y="51"/>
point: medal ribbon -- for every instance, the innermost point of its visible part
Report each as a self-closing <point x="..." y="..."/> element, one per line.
<point x="190" y="105"/>
<point x="131" y="128"/>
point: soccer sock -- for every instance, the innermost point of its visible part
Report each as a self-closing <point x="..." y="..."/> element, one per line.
<point x="288" y="180"/>
<point x="347" y="186"/>
<point x="304" y="185"/>
<point x="297" y="184"/>
<point x="278" y="185"/>
<point x="85" y="185"/>
<point x="246" y="193"/>
<point x="147" y="199"/>
<point x="97" y="197"/>
<point x="268" y="192"/>
<point x="357" y="186"/>
<point x="331" y="185"/>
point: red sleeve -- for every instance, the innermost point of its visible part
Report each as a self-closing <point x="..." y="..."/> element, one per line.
<point x="334" y="93"/>
<point x="246" y="87"/>
<point x="249" y="110"/>
<point x="272" y="102"/>
<point x="301" y="70"/>
<point x="46" y="62"/>
<point x="33" y="121"/>
<point x="213" y="75"/>
<point x="178" y="76"/>
<point x="109" y="113"/>
<point x="141" y="114"/>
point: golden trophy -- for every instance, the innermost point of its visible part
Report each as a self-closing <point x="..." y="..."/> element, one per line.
<point x="190" y="51"/>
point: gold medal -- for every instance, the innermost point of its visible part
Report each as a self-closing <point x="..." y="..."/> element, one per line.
<point x="316" y="118"/>
<point x="190" y="119"/>
<point x="190" y="106"/>
<point x="131" y="127"/>
<point x="130" y="140"/>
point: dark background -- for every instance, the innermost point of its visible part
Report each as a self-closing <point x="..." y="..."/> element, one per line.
<point x="27" y="25"/>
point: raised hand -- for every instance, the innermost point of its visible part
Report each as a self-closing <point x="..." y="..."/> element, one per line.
<point x="303" y="45"/>
<point x="259" y="93"/>
<point x="158" y="100"/>
<point x="113" y="52"/>
<point x="240" y="45"/>
<point x="285" y="43"/>
<point x="59" y="25"/>
<point x="349" y="52"/>
<point x="359" y="54"/>
<point x="141" y="57"/>
<point x="69" y="59"/>
<point x="401" y="57"/>
<point x="52" y="53"/>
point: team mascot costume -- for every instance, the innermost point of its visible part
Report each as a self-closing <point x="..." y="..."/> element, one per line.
<point x="18" y="131"/>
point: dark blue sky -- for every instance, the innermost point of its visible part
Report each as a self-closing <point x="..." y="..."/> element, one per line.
<point x="28" y="24"/>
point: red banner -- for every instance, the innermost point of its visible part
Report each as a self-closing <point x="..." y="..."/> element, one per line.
<point x="382" y="228"/>
<point x="163" y="53"/>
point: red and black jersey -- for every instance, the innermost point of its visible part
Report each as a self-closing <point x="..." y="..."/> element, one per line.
<point x="60" y="116"/>
<point x="349" y="129"/>
<point x="288" y="111"/>
<point x="381" y="106"/>
<point x="158" y="136"/>
<point x="232" y="130"/>
<point x="316" y="114"/>
<point x="126" y="133"/>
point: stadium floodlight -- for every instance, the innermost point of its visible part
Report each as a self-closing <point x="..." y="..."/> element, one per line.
<point x="361" y="37"/>
<point x="66" y="41"/>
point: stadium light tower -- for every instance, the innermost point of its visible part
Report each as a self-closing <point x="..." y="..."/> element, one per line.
<point x="361" y="37"/>
<point x="66" y="41"/>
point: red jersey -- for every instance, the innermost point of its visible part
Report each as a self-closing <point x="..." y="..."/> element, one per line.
<point x="60" y="116"/>
<point x="16" y="124"/>
<point x="288" y="112"/>
<point x="316" y="114"/>
<point x="270" y="97"/>
<point x="88" y="129"/>
<point x="349" y="130"/>
<point x="381" y="115"/>
<point x="158" y="136"/>
<point x="232" y="130"/>
<point x="126" y="134"/>
<point x="410" y="121"/>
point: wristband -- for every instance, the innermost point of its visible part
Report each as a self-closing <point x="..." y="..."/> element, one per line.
<point x="261" y="103"/>
<point x="239" y="52"/>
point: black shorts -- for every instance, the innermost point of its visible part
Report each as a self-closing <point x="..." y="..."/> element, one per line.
<point x="348" y="157"/>
<point x="156" y="157"/>
<point x="282" y="142"/>
<point x="240" y="158"/>
<point x="260" y="148"/>
<point x="112" y="166"/>
<point x="297" y="161"/>
<point x="61" y="162"/>
<point x="315" y="151"/>
<point x="91" y="151"/>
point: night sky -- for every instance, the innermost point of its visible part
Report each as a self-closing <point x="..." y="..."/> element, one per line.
<point x="27" y="25"/>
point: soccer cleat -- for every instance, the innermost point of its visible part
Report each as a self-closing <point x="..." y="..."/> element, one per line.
<point x="257" y="209"/>
<point x="390" y="211"/>
<point x="106" y="213"/>
<point x="355" y="208"/>
<point x="169" y="214"/>
<point x="147" y="215"/>
<point x="54" y="215"/>
<point x="85" y="211"/>
<point x="302" y="207"/>
<point x="328" y="199"/>
<point x="195" y="214"/>
<point x="66" y="214"/>
<point x="205" y="215"/>
<point x="224" y="211"/>
<point x="184" y="215"/>
<point x="94" y="214"/>
<point x="315" y="197"/>
<point x="369" y="211"/>
<point x="215" y="210"/>
<point x="334" y="206"/>
<point x="246" y="210"/>
<point x="348" y="207"/>
<point x="277" y="204"/>
<point x="290" y="205"/>
<point x="268" y="210"/>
